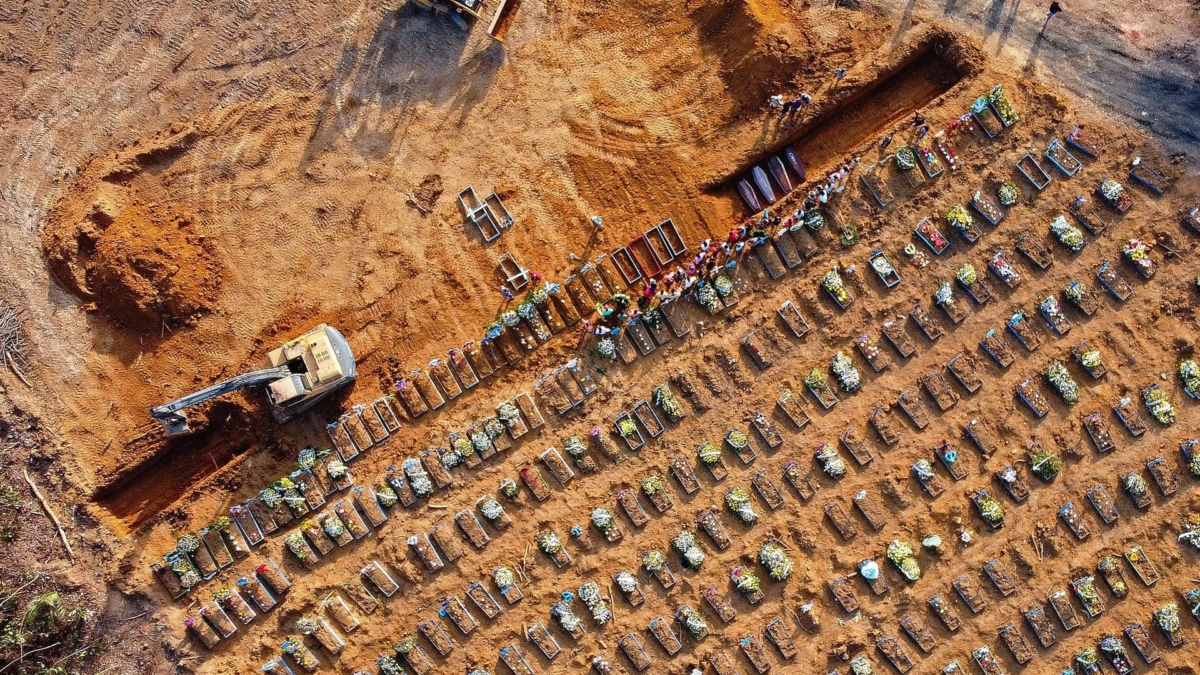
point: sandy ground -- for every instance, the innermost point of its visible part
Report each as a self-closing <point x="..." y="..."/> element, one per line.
<point x="217" y="178"/>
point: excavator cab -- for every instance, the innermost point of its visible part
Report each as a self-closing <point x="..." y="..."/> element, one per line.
<point x="300" y="373"/>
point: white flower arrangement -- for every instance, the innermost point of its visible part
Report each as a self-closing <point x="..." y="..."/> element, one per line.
<point x="653" y="561"/>
<point x="574" y="446"/>
<point x="774" y="558"/>
<point x="710" y="454"/>
<point x="1058" y="376"/>
<point x="959" y="218"/>
<point x="568" y="620"/>
<point x="1069" y="235"/>
<point x="507" y="411"/>
<point x="626" y="582"/>
<point x="924" y="470"/>
<point x="491" y="509"/>
<point x="738" y="500"/>
<point x="1189" y="373"/>
<point x="847" y="375"/>
<point x="418" y="478"/>
<point x="882" y="265"/>
<point x="694" y="623"/>
<point x="902" y="555"/>
<point x="503" y="577"/>
<point x="336" y="469"/>
<point x="944" y="295"/>
<point x="737" y="439"/>
<point x="1159" y="405"/>
<point x="967" y="275"/>
<point x="591" y="596"/>
<point x="602" y="518"/>
<point x="861" y="665"/>
<point x="606" y="347"/>
<point x="831" y="462"/>
<point x="549" y="543"/>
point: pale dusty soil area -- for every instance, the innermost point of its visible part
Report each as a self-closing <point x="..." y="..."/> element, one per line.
<point x="184" y="186"/>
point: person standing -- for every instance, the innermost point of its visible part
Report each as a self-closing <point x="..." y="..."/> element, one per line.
<point x="1055" y="8"/>
<point x="841" y="73"/>
<point x="508" y="295"/>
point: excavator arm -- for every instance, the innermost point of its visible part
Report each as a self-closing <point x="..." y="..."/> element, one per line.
<point x="175" y="422"/>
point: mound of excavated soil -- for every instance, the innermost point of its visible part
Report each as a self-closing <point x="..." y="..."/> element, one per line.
<point x="138" y="263"/>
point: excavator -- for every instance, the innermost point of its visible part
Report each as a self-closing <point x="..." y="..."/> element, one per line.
<point x="299" y="373"/>
<point x="491" y="11"/>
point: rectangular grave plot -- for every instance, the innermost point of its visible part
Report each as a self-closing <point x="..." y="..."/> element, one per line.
<point x="841" y="521"/>
<point x="1142" y="565"/>
<point x="425" y="551"/>
<point x="665" y="577"/>
<point x="767" y="489"/>
<point x="369" y="505"/>
<point x="981" y="434"/>
<point x="953" y="669"/>
<point x="752" y="647"/>
<point x="1078" y="351"/>
<point x="940" y="390"/>
<point x="912" y="405"/>
<point x="723" y="665"/>
<point x="894" y="652"/>
<point x="1033" y="249"/>
<point x="1113" y="282"/>
<point x="634" y="596"/>
<point x="515" y="660"/>
<point x="843" y="593"/>
<point x="871" y="509"/>
<point x="966" y="371"/>
<point x="879" y="585"/>
<point x="471" y="528"/>
<point x="1127" y="412"/>
<point x="856" y="446"/>
<point x="753" y="348"/>
<point x="766" y="430"/>
<point x="1014" y="484"/>
<point x="661" y="630"/>
<point x="928" y="325"/>
<point x="340" y="437"/>
<point x="777" y="632"/>
<point x="482" y="598"/>
<point x="557" y="466"/>
<point x="1145" y="647"/>
<point x="995" y="346"/>
<point x="929" y="480"/>
<point x="633" y="650"/>
<point x="684" y="474"/>
<point x="677" y="318"/>
<point x="1000" y="576"/>
<point x="1060" y="602"/>
<point x="1074" y="520"/>
<point x="532" y="479"/>
<point x="802" y="480"/>
<point x="544" y="641"/>
<point x="918" y="631"/>
<point x="627" y="429"/>
<point x="632" y="507"/>
<point x="432" y="460"/>
<point x="720" y="604"/>
<point x="641" y="338"/>
<point x="791" y="317"/>
<point x="437" y="636"/>
<point x="789" y="403"/>
<point x="946" y="613"/>
<point x="625" y="348"/>
<point x="360" y="596"/>
<point x="1097" y="430"/>
<point x="1088" y="595"/>
<point x="1040" y="624"/>
<point x="1012" y="638"/>
<point x="447" y="541"/>
<point x="457" y="612"/>
<point x="898" y="337"/>
<point x="971" y="593"/>
<point x="711" y="523"/>
<point x="1110" y="569"/>
<point x="957" y="468"/>
<point x="881" y="421"/>
<point x="1141" y="500"/>
<point x="648" y="418"/>
<point x="1102" y="500"/>
<point x="1164" y="478"/>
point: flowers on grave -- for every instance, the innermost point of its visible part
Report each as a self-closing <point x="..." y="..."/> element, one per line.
<point x="508" y="412"/>
<point x="990" y="508"/>
<point x="406" y="644"/>
<point x="738" y="500"/>
<point x="491" y="509"/>
<point x="418" y="478"/>
<point x="932" y="236"/>
<point x="665" y="399"/>
<point x="388" y="665"/>
<point x="1044" y="464"/>
<point x="504" y="578"/>
<point x="653" y="561"/>
<point x="307" y="458"/>
<point x="1189" y="372"/>
<point x="745" y="581"/>
<point x="539" y="296"/>
<point x="693" y="622"/>
<point x="924" y="470"/>
<point x="602" y="518"/>
<point x="707" y="297"/>
<point x="270" y="497"/>
<point x="1159" y="406"/>
<point x="1004" y="269"/>
<point x="926" y="153"/>
<point x="652" y="485"/>
<point x="944" y="295"/>
<point x="1076" y="292"/>
<point x="861" y="665"/>
<point x="815" y="379"/>
<point x="1111" y="568"/>
<point x="814" y="219"/>
<point x="549" y="543"/>
<point x="481" y="441"/>
<point x="463" y="446"/>
<point x="493" y="427"/>
<point x="182" y="565"/>
<point x="882" y="266"/>
<point x="336" y="469"/>
<point x="576" y="531"/>
<point x="308" y="624"/>
<point x="566" y="618"/>
<point x="709" y="454"/>
<point x="1135" y="484"/>
<point x="606" y="347"/>
<point x="845" y="372"/>
<point x="1008" y="193"/>
<point x="1051" y="309"/>
<point x="831" y="463"/>
<point x="960" y="218"/>
<point x="774" y="558"/>
<point x="868" y="348"/>
<point x="832" y="283"/>
<point x="979" y="105"/>
<point x="723" y="285"/>
<point x="1167" y="618"/>
<point x="1137" y="253"/>
<point x="296" y="544"/>
<point x="1191" y="530"/>
<point x="915" y="256"/>
<point x="294" y="648"/>
<point x="1111" y="190"/>
<point x="1087" y="658"/>
<point x="999" y="100"/>
<point x="966" y="274"/>
<point x="901" y="554"/>
<point x="188" y="543"/>
<point x="575" y="447"/>
<point x="1058" y="376"/>
<point x="508" y="488"/>
<point x="906" y="159"/>
<point x="1112" y="647"/>
<point x="1068" y="234"/>
<point x="627" y="582"/>
<point x="386" y="497"/>
<point x="627" y="428"/>
<point x="689" y="547"/>
<point x="333" y="525"/>
<point x="220" y="524"/>
<point x="591" y="596"/>
<point x="510" y="318"/>
<point x="737" y="439"/>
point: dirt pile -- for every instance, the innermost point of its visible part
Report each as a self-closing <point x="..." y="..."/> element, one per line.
<point x="140" y="264"/>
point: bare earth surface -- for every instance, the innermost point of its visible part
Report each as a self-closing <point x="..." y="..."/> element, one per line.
<point x="185" y="186"/>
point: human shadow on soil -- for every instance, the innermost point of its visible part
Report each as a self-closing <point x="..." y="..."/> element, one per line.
<point x="412" y="58"/>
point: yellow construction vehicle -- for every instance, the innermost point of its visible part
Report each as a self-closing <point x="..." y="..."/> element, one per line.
<point x="299" y="373"/>
<point x="462" y="11"/>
